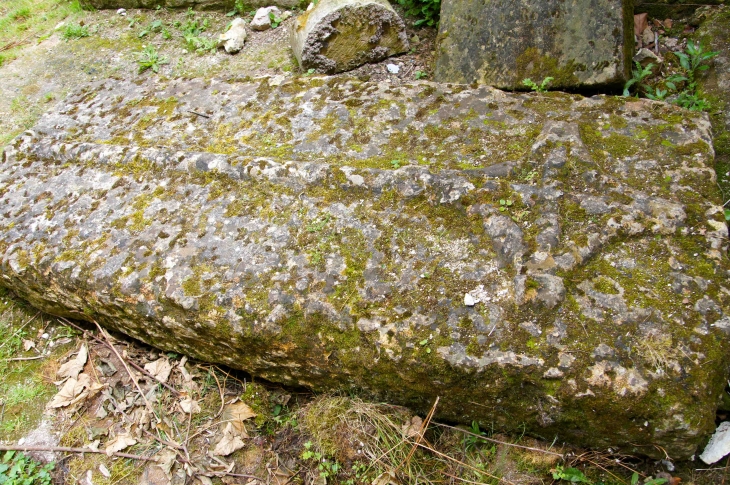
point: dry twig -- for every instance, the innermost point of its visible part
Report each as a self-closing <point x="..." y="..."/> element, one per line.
<point x="65" y="449"/>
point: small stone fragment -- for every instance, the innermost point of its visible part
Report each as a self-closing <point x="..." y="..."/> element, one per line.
<point x="719" y="445"/>
<point x="262" y="21"/>
<point x="122" y="12"/>
<point x="232" y="40"/>
<point x="646" y="56"/>
<point x="339" y="35"/>
<point x="469" y="300"/>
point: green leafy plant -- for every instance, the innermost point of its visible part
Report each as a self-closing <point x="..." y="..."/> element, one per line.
<point x="426" y="11"/>
<point x="75" y="31"/>
<point x="505" y="204"/>
<point x="155" y="26"/>
<point x="637" y="77"/>
<point x="538" y="88"/>
<point x="18" y="469"/>
<point x="651" y="481"/>
<point x="572" y="475"/>
<point x="327" y="467"/>
<point x="472" y="440"/>
<point x="149" y="58"/>
<point x="395" y="163"/>
<point x="274" y="19"/>
<point x="694" y="59"/>
<point x="421" y="75"/>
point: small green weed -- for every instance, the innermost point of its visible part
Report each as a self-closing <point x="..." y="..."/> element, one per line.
<point x="274" y="19"/>
<point x="327" y="468"/>
<point x="149" y="58"/>
<point x="154" y="26"/>
<point x="637" y="77"/>
<point x="505" y="204"/>
<point x="18" y="469"/>
<point x="395" y="163"/>
<point x="572" y="475"/>
<point x="421" y="75"/>
<point x="473" y="440"/>
<point x="426" y="11"/>
<point x="75" y="31"/>
<point x="538" y="88"/>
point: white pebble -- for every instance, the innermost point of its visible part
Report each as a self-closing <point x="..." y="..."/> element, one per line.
<point x="469" y="300"/>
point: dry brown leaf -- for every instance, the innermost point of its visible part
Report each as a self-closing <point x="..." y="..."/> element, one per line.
<point x="73" y="391"/>
<point x="160" y="369"/>
<point x="236" y="414"/>
<point x="413" y="429"/>
<point x="640" y="24"/>
<point x="120" y="442"/>
<point x="204" y="480"/>
<point x="104" y="471"/>
<point x="189" y="405"/>
<point x="166" y="458"/>
<point x="28" y="344"/>
<point x="386" y="478"/>
<point x="229" y="443"/>
<point x="73" y="367"/>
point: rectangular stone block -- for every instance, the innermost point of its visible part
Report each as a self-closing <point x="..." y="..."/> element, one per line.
<point x="581" y="44"/>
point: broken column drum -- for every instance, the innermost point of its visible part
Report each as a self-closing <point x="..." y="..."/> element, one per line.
<point x="276" y="235"/>
<point x="340" y="35"/>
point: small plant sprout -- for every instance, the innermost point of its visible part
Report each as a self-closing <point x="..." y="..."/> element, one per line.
<point x="150" y="59"/>
<point x="75" y="31"/>
<point x="538" y="88"/>
<point x="505" y="204"/>
<point x="274" y="19"/>
<point x="421" y="75"/>
<point x="395" y="163"/>
<point x="637" y="77"/>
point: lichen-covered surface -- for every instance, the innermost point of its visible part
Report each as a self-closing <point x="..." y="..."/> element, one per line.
<point x="340" y="35"/>
<point x="578" y="43"/>
<point x="325" y="232"/>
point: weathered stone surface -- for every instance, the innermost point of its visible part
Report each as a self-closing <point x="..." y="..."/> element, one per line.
<point x="272" y="232"/>
<point x="500" y="43"/>
<point x="339" y="35"/>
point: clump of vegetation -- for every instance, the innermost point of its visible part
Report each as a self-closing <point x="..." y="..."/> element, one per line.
<point x="149" y="58"/>
<point x="538" y="88"/>
<point x="75" y="31"/>
<point x="679" y="88"/>
<point x="426" y="11"/>
<point x="18" y="469"/>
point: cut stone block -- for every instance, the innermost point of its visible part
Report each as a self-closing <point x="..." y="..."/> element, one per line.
<point x="275" y="234"/>
<point x="501" y="42"/>
<point x="339" y="35"/>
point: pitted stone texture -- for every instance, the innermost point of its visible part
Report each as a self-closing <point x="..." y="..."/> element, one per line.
<point x="340" y="35"/>
<point x="502" y="42"/>
<point x="325" y="234"/>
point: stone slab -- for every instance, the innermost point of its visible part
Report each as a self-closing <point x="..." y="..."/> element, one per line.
<point x="325" y="233"/>
<point x="581" y="44"/>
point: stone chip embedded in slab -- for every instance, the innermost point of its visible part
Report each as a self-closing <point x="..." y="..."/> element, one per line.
<point x="275" y="235"/>
<point x="339" y="35"/>
<point x="501" y="42"/>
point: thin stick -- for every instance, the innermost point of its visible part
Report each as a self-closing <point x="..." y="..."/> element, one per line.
<point x="199" y="114"/>
<point x="15" y="359"/>
<point x="65" y="449"/>
<point x="174" y="391"/>
<point x="220" y="391"/>
<point x="422" y="431"/>
<point x="126" y="367"/>
<point x="499" y="442"/>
